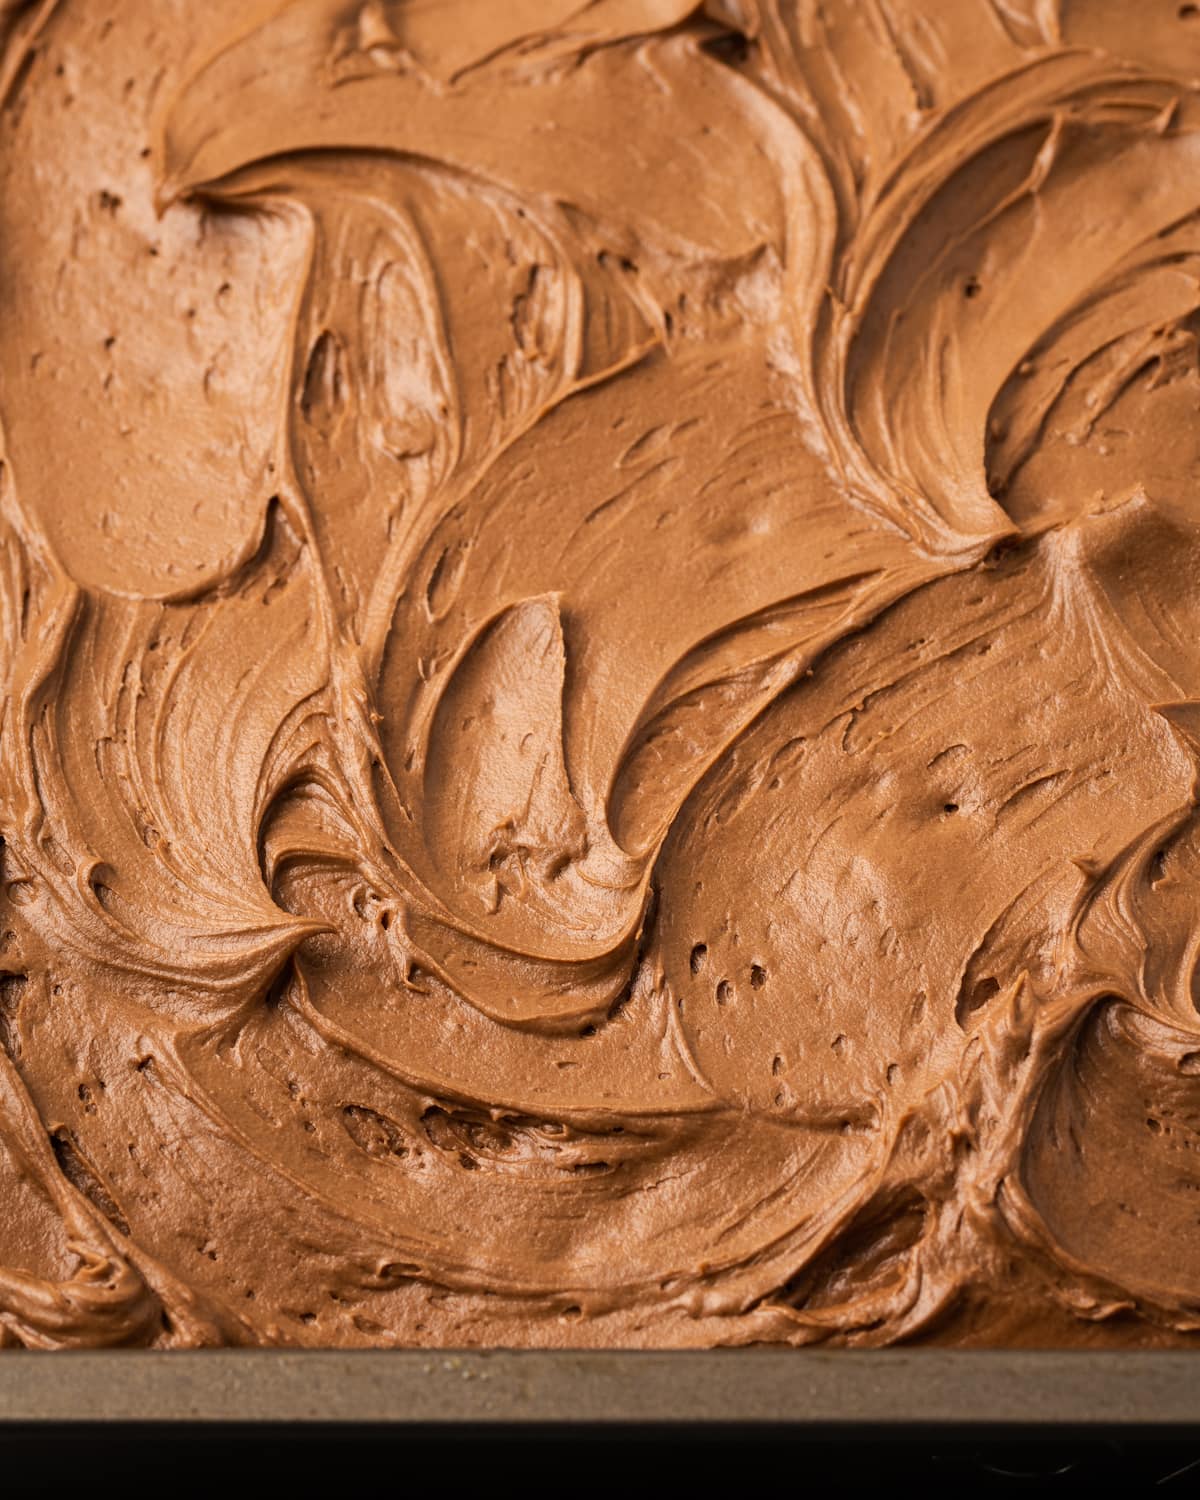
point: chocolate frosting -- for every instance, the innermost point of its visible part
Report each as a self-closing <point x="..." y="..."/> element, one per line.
<point x="600" y="672"/>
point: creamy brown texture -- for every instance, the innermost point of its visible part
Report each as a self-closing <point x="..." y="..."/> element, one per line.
<point x="601" y="652"/>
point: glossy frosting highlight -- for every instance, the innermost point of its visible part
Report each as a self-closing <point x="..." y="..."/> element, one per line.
<point x="600" y="672"/>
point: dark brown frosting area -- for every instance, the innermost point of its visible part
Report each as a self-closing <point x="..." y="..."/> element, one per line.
<point x="600" y="670"/>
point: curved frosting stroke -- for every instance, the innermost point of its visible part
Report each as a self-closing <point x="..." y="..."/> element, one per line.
<point x="599" y="688"/>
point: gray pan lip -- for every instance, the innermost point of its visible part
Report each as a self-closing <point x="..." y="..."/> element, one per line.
<point x="821" y="1391"/>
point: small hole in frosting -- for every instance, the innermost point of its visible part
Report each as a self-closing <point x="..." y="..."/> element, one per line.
<point x="975" y="998"/>
<point x="732" y="48"/>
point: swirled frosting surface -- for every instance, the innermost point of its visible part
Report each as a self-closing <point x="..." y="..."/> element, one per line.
<point x="600" y="669"/>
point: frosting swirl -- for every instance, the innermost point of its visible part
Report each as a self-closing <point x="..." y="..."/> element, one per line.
<point x="600" y="688"/>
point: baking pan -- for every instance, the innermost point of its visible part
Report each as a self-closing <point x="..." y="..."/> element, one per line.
<point x="617" y="1423"/>
<point x="892" y="1390"/>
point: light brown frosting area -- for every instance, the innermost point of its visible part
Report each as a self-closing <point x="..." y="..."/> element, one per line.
<point x="600" y="672"/>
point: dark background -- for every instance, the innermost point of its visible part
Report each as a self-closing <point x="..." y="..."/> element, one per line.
<point x="212" y="1459"/>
